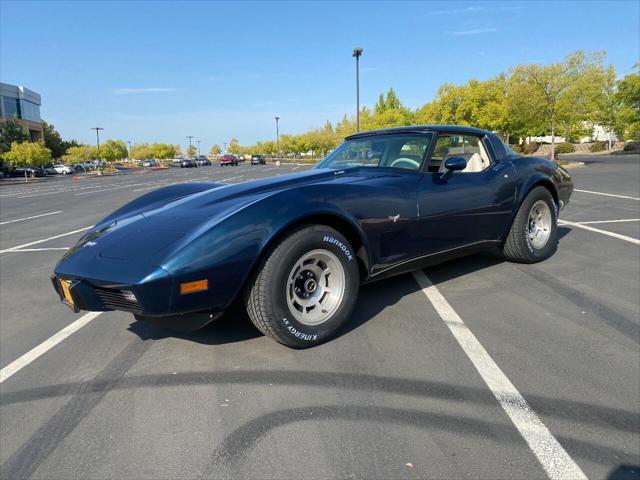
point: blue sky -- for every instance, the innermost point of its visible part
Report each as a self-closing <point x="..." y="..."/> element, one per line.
<point x="161" y="70"/>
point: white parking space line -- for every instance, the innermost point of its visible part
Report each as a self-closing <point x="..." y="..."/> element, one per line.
<point x="611" y="221"/>
<point x="19" y="247"/>
<point x="231" y="178"/>
<point x="45" y="346"/>
<point x="156" y="185"/>
<point x="597" y="230"/>
<point x="29" y="218"/>
<point x="606" y="194"/>
<point x="551" y="455"/>
<point x="35" y="250"/>
<point x="108" y="189"/>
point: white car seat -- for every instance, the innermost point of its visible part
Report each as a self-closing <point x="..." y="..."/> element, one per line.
<point x="474" y="164"/>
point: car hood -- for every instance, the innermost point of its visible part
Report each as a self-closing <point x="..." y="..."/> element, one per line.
<point x="145" y="236"/>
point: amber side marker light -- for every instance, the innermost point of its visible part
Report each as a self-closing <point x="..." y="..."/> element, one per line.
<point x="192" y="287"/>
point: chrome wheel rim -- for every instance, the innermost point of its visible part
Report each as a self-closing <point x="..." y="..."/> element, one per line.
<point x="315" y="287"/>
<point x="539" y="225"/>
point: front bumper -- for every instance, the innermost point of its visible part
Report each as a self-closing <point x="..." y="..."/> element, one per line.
<point x="151" y="299"/>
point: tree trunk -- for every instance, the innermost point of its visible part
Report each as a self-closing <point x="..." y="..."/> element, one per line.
<point x="553" y="141"/>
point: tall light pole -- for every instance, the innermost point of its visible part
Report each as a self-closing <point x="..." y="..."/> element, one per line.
<point x="188" y="151"/>
<point x="198" y="147"/>
<point x="129" y="152"/>
<point x="356" y="53"/>
<point x="277" y="137"/>
<point x="97" y="129"/>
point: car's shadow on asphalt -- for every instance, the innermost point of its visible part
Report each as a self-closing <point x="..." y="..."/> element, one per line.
<point x="235" y="325"/>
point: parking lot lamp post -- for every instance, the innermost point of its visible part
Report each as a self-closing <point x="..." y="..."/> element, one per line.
<point x="357" y="52"/>
<point x="129" y="151"/>
<point x="277" y="137"/>
<point x="97" y="129"/>
<point x="189" y="137"/>
<point x="198" y="148"/>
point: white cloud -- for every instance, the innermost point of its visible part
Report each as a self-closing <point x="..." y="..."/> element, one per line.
<point x="137" y="91"/>
<point x="475" y="31"/>
<point x="457" y="10"/>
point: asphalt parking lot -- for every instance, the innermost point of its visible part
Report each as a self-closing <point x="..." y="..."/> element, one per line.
<point x="401" y="393"/>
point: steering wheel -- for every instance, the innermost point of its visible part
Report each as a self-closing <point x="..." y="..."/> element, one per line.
<point x="408" y="163"/>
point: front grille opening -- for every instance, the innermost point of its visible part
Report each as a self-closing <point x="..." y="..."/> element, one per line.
<point x="118" y="299"/>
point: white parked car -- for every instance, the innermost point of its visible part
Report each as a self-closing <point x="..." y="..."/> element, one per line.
<point x="60" y="168"/>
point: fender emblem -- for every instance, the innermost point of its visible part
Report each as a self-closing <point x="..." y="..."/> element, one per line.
<point x="89" y="244"/>
<point x="395" y="218"/>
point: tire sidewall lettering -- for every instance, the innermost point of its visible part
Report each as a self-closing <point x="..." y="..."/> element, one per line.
<point x="309" y="337"/>
<point x="341" y="246"/>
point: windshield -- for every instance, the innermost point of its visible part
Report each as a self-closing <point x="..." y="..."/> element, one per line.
<point x="393" y="151"/>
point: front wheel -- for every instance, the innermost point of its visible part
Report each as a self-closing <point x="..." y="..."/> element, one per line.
<point x="304" y="290"/>
<point x="534" y="234"/>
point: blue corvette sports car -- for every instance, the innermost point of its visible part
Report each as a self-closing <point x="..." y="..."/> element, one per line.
<point x="296" y="248"/>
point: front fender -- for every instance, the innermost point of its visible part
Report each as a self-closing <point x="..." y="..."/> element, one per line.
<point x="227" y="253"/>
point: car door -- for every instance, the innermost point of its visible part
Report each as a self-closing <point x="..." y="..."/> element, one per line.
<point x="383" y="199"/>
<point x="463" y="208"/>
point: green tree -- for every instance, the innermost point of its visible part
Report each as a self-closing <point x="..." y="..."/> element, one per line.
<point x="390" y="101"/>
<point x="79" y="154"/>
<point x="627" y="122"/>
<point x="191" y="150"/>
<point x="163" y="150"/>
<point x="53" y="140"/>
<point x="11" y="131"/>
<point x="559" y="96"/>
<point x="67" y="144"/>
<point x="215" y="149"/>
<point x="27" y="153"/>
<point x="234" y="146"/>
<point x="113" y="150"/>
<point x="141" y="151"/>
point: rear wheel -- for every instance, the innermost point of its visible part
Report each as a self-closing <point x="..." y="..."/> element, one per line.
<point x="534" y="234"/>
<point x="306" y="287"/>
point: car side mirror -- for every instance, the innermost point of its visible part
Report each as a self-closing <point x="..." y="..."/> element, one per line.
<point x="455" y="163"/>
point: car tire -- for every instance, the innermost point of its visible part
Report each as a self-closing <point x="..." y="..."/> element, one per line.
<point x="309" y="260"/>
<point x="534" y="233"/>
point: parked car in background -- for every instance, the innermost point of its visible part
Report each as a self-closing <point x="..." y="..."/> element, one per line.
<point x="29" y="172"/>
<point x="201" y="160"/>
<point x="258" y="160"/>
<point x="88" y="165"/>
<point x="188" y="163"/>
<point x="228" y="160"/>
<point x="150" y="162"/>
<point x="176" y="162"/>
<point x="59" y="168"/>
